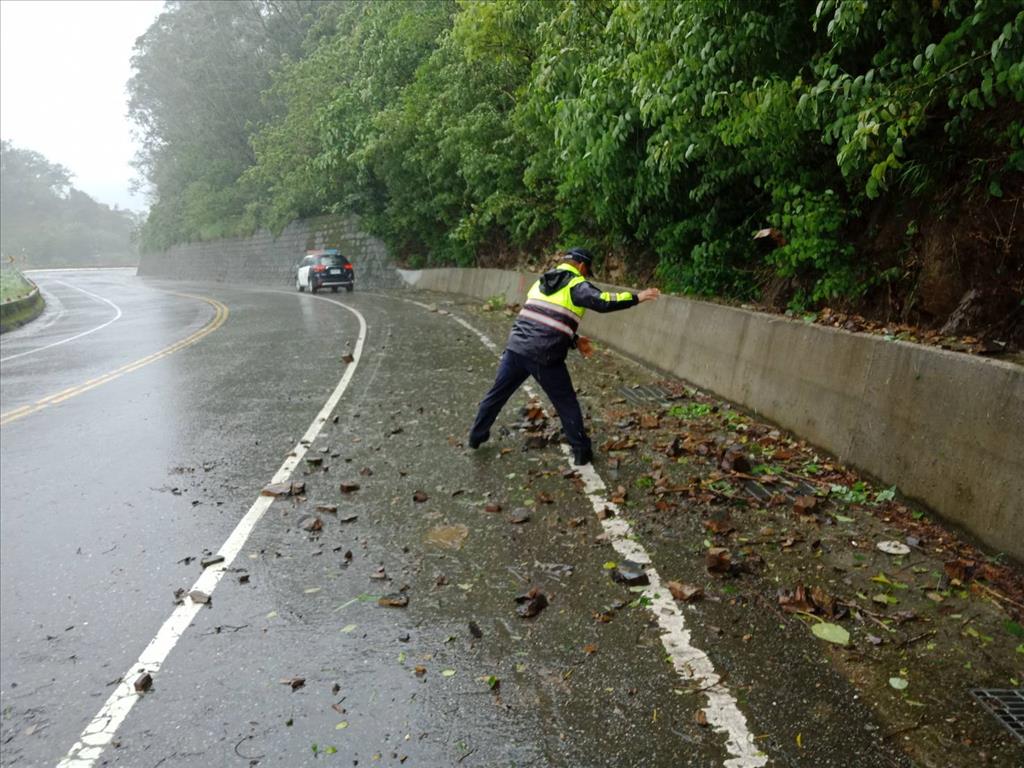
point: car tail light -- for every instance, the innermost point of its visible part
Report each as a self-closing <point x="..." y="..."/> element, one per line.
<point x="348" y="266"/>
<point x="320" y="268"/>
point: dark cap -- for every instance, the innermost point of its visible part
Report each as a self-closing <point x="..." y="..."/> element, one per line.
<point x="582" y="255"/>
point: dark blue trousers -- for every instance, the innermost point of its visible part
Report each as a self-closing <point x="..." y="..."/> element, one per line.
<point x="513" y="370"/>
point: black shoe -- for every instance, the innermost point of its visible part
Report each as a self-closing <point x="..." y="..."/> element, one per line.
<point x="582" y="456"/>
<point x="475" y="443"/>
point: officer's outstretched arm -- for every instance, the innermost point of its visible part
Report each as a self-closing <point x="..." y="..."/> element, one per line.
<point x="587" y="295"/>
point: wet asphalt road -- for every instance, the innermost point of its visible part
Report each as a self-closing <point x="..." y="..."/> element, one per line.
<point x="108" y="496"/>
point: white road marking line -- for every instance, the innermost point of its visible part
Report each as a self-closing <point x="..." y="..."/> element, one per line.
<point x="100" y="327"/>
<point x="689" y="662"/>
<point x="99" y="733"/>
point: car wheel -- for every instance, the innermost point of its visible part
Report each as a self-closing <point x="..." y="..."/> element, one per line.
<point x="299" y="285"/>
<point x="312" y="286"/>
<point x="349" y="287"/>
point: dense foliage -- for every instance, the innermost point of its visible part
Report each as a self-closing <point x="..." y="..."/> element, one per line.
<point x="664" y="132"/>
<point x="47" y="222"/>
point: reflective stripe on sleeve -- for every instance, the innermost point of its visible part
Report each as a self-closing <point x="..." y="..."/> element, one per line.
<point x="623" y="296"/>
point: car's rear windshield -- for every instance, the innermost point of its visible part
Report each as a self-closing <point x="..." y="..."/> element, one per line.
<point x="332" y="261"/>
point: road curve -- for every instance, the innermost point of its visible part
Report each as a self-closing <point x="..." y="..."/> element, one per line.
<point x="112" y="498"/>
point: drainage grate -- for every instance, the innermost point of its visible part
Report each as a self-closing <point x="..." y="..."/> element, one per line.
<point x="641" y="395"/>
<point x="1007" y="704"/>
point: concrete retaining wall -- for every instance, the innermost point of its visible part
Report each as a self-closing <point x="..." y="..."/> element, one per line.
<point x="20" y="311"/>
<point x="947" y="429"/>
<point x="265" y="259"/>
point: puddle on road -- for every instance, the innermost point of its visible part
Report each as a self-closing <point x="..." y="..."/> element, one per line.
<point x="448" y="536"/>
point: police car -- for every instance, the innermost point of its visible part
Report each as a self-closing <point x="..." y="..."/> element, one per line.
<point x="325" y="268"/>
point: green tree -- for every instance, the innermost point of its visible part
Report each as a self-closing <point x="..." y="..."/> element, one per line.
<point x="666" y="131"/>
<point x="47" y="222"/>
<point x="200" y="70"/>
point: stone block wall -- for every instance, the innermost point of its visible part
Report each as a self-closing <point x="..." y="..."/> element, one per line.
<point x="264" y="259"/>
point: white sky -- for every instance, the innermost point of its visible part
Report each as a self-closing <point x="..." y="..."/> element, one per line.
<point x="64" y="68"/>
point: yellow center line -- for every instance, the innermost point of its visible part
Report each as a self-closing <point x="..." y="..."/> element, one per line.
<point x="219" y="318"/>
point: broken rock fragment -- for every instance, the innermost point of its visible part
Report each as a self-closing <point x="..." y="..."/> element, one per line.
<point x="734" y="460"/>
<point x="520" y="516"/>
<point x="277" y="489"/>
<point x="311" y="523"/>
<point x="805" y="505"/>
<point x="893" y="547"/>
<point x="395" y="600"/>
<point x="143" y="682"/>
<point x="630" y="573"/>
<point x="718" y="560"/>
<point x="685" y="593"/>
<point x="720" y="523"/>
<point x="531" y="603"/>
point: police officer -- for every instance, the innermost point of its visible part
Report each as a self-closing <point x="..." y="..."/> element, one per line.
<point x="541" y="337"/>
